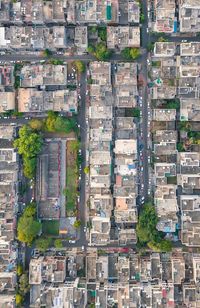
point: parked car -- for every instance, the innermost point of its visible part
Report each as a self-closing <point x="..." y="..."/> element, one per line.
<point x="72" y="241"/>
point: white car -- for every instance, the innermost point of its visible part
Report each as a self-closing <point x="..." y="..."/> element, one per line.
<point x="147" y="30"/>
<point x="85" y="229"/>
<point x="72" y="241"/>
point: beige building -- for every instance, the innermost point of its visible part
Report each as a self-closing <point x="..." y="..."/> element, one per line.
<point x="7" y="101"/>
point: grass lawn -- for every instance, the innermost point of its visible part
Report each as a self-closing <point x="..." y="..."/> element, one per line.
<point x="50" y="227"/>
<point x="71" y="176"/>
<point x="172" y="180"/>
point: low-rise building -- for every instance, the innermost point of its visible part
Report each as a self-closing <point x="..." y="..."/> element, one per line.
<point x="164" y="49"/>
<point x="165" y="142"/>
<point x="133" y="11"/>
<point x="32" y="100"/>
<point x="190" y="109"/>
<point x="97" y="11"/>
<point x="47" y="269"/>
<point x="81" y="39"/>
<point x="43" y="75"/>
<point x="165" y="20"/>
<point x="189" y="11"/>
<point x="190" y="220"/>
<point x="121" y="37"/>
<point x="164" y="114"/>
<point x="7" y="101"/>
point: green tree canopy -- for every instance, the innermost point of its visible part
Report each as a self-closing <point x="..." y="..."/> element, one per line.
<point x="19" y="269"/>
<point x="19" y="299"/>
<point x="30" y="165"/>
<point x="100" y="51"/>
<point x="102" y="33"/>
<point x="184" y="126"/>
<point x="77" y="224"/>
<point x="36" y="124"/>
<point x="130" y="53"/>
<point x="28" y="227"/>
<point x="136" y="112"/>
<point x="80" y="66"/>
<point x="24" y="284"/>
<point x="147" y="232"/>
<point x="86" y="169"/>
<point x="43" y="243"/>
<point x="47" y="53"/>
<point x="29" y="143"/>
<point x="58" y="243"/>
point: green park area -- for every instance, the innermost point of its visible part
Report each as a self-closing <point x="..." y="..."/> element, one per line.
<point x="71" y="176"/>
<point x="147" y="233"/>
<point x="50" y="227"/>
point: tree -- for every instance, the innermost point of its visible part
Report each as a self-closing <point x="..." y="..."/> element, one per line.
<point x="134" y="53"/>
<point x="28" y="227"/>
<point x="184" y="126"/>
<point x="56" y="62"/>
<point x="173" y="104"/>
<point x="19" y="269"/>
<point x="91" y="49"/>
<point x="86" y="169"/>
<point x="130" y="53"/>
<point x="80" y="66"/>
<point x="142" y="18"/>
<point x="64" y="125"/>
<point x="43" y="243"/>
<point x="75" y="145"/>
<point x="165" y="245"/>
<point x="77" y="224"/>
<point x="30" y="165"/>
<point x="29" y="143"/>
<point x="50" y="123"/>
<point x="19" y="299"/>
<point x="36" y="124"/>
<point x="162" y="39"/>
<point x="147" y="232"/>
<point x="136" y="112"/>
<point x="150" y="47"/>
<point x="58" y="243"/>
<point x="180" y="147"/>
<point x="126" y="53"/>
<point x="24" y="284"/>
<point x="30" y="210"/>
<point x="47" y="53"/>
<point x="101" y="52"/>
<point x="92" y="29"/>
<point x="102" y="33"/>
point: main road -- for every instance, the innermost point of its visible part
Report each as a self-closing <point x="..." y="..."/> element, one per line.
<point x="144" y="94"/>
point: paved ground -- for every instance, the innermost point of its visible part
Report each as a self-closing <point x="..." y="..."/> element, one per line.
<point x="83" y="135"/>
